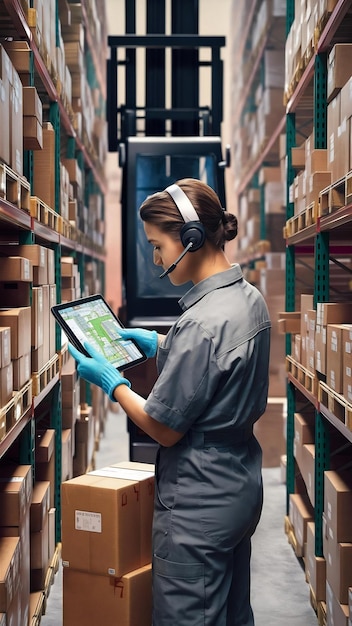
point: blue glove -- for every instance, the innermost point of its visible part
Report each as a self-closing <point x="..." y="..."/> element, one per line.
<point x="96" y="369"/>
<point x="146" y="339"/>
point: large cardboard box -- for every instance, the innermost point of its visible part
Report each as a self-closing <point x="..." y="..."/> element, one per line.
<point x="91" y="599"/>
<point x="100" y="525"/>
<point x="19" y="321"/>
<point x="15" y="493"/>
<point x="143" y="474"/>
<point x="37" y="317"/>
<point x="16" y="268"/>
<point x="338" y="505"/>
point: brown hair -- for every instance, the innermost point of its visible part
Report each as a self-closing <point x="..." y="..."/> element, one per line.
<point x="161" y="210"/>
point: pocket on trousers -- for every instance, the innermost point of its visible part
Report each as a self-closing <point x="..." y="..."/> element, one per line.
<point x="178" y="593"/>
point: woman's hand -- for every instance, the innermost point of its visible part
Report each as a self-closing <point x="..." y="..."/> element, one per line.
<point x="96" y="369"/>
<point x="146" y="339"/>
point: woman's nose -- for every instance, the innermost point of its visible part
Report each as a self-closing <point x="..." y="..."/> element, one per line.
<point x="156" y="258"/>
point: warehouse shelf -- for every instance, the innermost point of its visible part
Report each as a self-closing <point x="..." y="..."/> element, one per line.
<point x="254" y="167"/>
<point x="92" y="47"/>
<point x="16" y="12"/>
<point x="340" y="426"/>
<point x="324" y="41"/>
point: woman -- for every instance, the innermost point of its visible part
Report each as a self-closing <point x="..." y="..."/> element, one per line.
<point x="212" y="386"/>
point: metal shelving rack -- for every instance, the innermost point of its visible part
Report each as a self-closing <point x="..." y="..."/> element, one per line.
<point x="252" y="62"/>
<point x="323" y="239"/>
<point x="28" y="229"/>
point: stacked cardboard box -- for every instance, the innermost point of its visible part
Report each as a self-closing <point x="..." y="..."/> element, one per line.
<point x="106" y="546"/>
<point x="15" y="500"/>
<point x="337" y="541"/>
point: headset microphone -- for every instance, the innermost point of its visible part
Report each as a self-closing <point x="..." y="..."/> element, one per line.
<point x="173" y="266"/>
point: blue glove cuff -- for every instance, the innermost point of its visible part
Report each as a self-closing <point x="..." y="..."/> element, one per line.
<point x="154" y="343"/>
<point x="111" y="379"/>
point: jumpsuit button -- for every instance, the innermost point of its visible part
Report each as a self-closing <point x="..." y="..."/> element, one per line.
<point x="165" y="533"/>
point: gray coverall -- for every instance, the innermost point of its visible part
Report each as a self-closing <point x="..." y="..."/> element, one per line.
<point x="212" y="386"/>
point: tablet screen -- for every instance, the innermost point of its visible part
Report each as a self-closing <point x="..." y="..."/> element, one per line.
<point x="91" y="320"/>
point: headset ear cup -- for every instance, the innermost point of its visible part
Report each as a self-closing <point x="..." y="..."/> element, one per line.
<point x="192" y="232"/>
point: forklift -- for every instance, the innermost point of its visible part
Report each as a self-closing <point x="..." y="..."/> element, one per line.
<point x="157" y="145"/>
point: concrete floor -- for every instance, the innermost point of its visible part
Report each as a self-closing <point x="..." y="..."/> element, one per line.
<point x="280" y="595"/>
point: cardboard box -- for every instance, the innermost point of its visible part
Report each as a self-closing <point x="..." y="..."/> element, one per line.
<point x="91" y="599"/>
<point x="32" y="104"/>
<point x="300" y="513"/>
<point x="339" y="68"/>
<point x="32" y="134"/>
<point x="16" y="124"/>
<point x="15" y="268"/>
<point x="37" y="332"/>
<point x="100" y="525"/>
<point x="15" y="294"/>
<point x="143" y="474"/>
<point x="19" y="321"/>
<point x="37" y="254"/>
<point x="337" y="614"/>
<point x="40" y="548"/>
<point x="315" y="566"/>
<point x="339" y="569"/>
<point x="338" y="505"/>
<point x="15" y="493"/>
<point x="347" y="364"/>
<point x="5" y="346"/>
<point x="320" y="348"/>
<point x="334" y="367"/>
<point x="304" y="434"/>
<point x="5" y="80"/>
<point x="21" y="371"/>
<point x="44" y="168"/>
<point x="40" y="505"/>
<point x="9" y="570"/>
<point x="6" y="387"/>
<point x="334" y="313"/>
<point x="45" y="460"/>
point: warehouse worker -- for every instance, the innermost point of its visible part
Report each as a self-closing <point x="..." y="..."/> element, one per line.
<point x="211" y="388"/>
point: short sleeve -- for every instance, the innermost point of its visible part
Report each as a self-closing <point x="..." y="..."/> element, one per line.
<point x="188" y="379"/>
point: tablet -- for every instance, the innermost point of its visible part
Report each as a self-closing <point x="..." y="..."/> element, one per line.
<point x="91" y="320"/>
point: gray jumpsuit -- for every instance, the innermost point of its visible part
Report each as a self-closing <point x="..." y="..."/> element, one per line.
<point x="212" y="386"/>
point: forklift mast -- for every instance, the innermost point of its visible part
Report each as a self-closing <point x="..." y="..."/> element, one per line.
<point x="159" y="144"/>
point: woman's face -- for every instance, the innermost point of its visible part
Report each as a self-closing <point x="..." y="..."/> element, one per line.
<point x="165" y="252"/>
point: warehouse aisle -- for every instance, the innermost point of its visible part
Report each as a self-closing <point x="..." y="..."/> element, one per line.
<point x="280" y="595"/>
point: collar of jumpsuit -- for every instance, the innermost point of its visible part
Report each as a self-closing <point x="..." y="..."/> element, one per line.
<point x="222" y="279"/>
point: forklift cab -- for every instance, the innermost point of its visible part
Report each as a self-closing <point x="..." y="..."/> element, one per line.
<point x="150" y="164"/>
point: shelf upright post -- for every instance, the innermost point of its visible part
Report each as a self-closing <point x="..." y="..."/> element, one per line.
<point x="321" y="294"/>
<point x="56" y="424"/>
<point x="56" y="414"/>
<point x="290" y="306"/>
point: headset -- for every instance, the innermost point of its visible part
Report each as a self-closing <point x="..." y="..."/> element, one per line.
<point x="192" y="233"/>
